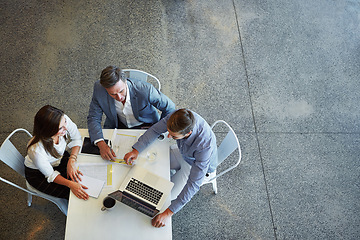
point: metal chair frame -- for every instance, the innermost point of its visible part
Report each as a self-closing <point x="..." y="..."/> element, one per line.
<point x="12" y="157"/>
<point x="228" y="145"/>
<point x="141" y="75"/>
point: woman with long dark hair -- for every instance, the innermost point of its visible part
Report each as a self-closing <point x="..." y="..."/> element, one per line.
<point x="48" y="167"/>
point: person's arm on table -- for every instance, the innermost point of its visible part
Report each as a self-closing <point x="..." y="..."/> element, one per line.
<point x="74" y="145"/>
<point x="75" y="187"/>
<point x="94" y="119"/>
<point x="146" y="139"/>
<point x="40" y="159"/>
<point x="72" y="170"/>
<point x="160" y="219"/>
<point x="131" y="156"/>
<point x="105" y="151"/>
<point x="196" y="176"/>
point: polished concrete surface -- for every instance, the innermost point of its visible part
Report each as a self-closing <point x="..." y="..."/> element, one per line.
<point x="284" y="74"/>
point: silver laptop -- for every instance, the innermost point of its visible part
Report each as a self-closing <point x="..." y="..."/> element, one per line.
<point x="144" y="191"/>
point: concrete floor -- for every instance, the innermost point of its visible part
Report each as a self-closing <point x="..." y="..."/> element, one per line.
<point x="284" y="74"/>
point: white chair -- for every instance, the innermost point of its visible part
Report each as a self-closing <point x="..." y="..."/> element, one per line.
<point x="140" y="75"/>
<point x="228" y="145"/>
<point x="12" y="157"/>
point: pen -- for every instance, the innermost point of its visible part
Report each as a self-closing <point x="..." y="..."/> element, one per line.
<point x="122" y="161"/>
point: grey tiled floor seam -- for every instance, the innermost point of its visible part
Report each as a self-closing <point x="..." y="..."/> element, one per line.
<point x="254" y="121"/>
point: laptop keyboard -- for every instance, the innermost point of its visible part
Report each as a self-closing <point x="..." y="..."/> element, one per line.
<point x="146" y="192"/>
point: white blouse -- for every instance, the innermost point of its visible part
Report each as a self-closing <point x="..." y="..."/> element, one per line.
<point x="38" y="158"/>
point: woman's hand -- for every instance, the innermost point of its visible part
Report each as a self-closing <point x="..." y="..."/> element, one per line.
<point x="78" y="190"/>
<point x="72" y="170"/>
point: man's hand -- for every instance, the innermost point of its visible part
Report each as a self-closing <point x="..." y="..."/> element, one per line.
<point x="160" y="219"/>
<point x="105" y="151"/>
<point x="131" y="156"/>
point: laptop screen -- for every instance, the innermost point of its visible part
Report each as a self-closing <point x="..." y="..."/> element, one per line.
<point x="134" y="203"/>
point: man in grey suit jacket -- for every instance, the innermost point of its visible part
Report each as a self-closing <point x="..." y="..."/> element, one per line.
<point x="127" y="103"/>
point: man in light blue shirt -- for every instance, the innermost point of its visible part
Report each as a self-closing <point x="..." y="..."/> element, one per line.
<point x="196" y="143"/>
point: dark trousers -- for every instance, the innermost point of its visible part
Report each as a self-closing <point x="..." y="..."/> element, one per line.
<point x="36" y="179"/>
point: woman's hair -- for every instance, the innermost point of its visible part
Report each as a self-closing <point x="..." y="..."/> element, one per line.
<point x="182" y="121"/>
<point x="110" y="76"/>
<point x="46" y="125"/>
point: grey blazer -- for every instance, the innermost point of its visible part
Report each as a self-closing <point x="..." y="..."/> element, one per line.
<point x="145" y="100"/>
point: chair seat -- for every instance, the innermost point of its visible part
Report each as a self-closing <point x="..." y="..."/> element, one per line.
<point x="60" y="202"/>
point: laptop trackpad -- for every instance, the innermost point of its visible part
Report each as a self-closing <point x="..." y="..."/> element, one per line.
<point x="151" y="178"/>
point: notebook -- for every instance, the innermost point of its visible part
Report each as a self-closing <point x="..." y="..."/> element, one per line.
<point x="143" y="191"/>
<point x="94" y="186"/>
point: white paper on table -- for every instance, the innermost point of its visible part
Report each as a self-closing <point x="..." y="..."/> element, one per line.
<point x="122" y="144"/>
<point x="97" y="170"/>
<point x="94" y="185"/>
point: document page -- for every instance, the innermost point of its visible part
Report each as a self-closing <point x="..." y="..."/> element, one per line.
<point x="94" y="185"/>
<point x="98" y="171"/>
<point x="122" y="144"/>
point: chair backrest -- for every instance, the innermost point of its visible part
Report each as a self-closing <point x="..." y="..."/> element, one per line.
<point x="140" y="75"/>
<point x="11" y="156"/>
<point x="228" y="145"/>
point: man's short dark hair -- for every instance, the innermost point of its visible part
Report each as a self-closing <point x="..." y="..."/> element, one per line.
<point x="182" y="121"/>
<point x="110" y="76"/>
